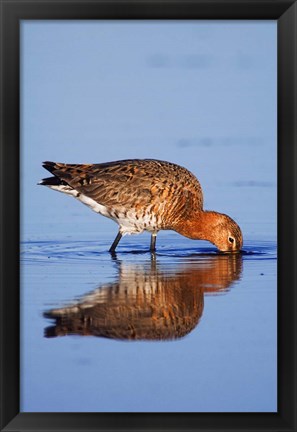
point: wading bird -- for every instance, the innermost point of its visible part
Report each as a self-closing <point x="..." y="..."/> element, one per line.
<point x="145" y="195"/>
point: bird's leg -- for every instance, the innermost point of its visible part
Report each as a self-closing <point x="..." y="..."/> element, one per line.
<point x="115" y="243"/>
<point x="153" y="242"/>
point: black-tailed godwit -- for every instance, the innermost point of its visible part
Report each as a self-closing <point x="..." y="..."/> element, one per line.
<point x="145" y="195"/>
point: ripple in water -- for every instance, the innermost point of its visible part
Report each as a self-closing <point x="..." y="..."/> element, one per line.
<point x="43" y="251"/>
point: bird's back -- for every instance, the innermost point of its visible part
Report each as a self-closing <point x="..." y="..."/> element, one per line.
<point x="138" y="193"/>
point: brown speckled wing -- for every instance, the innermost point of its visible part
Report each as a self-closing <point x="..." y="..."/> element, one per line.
<point x="135" y="184"/>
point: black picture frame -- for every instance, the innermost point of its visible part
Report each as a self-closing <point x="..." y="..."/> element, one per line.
<point x="285" y="12"/>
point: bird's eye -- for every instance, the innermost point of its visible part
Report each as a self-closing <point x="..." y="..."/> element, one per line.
<point x="231" y="239"/>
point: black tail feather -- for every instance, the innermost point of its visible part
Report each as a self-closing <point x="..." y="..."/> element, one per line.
<point x="51" y="181"/>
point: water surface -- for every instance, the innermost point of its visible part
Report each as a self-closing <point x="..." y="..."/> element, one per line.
<point x="110" y="331"/>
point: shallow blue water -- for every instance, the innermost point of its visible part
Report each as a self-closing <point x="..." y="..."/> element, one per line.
<point x="108" y="331"/>
<point x="41" y="251"/>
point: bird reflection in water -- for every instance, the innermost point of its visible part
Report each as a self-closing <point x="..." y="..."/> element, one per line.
<point x="148" y="301"/>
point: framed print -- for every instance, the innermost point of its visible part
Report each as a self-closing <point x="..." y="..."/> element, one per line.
<point x="174" y="122"/>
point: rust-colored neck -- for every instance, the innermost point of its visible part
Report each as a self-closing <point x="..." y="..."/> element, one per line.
<point x="199" y="226"/>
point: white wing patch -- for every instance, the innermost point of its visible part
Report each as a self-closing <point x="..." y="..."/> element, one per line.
<point x="128" y="222"/>
<point x="98" y="208"/>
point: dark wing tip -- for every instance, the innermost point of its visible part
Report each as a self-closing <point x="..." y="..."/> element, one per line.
<point x="50" y="166"/>
<point x="48" y="163"/>
<point x="51" y="181"/>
